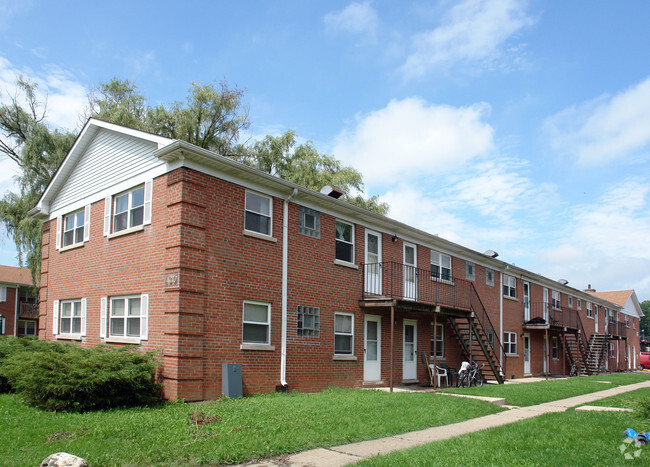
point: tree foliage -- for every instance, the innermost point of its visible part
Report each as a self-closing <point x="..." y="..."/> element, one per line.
<point x="645" y="320"/>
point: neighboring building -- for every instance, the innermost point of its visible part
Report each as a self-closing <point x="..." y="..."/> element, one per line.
<point x="18" y="308"/>
<point x="630" y="316"/>
<point x="159" y="243"/>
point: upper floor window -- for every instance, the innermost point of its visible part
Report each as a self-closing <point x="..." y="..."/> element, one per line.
<point x="470" y="271"/>
<point x="489" y="276"/>
<point x="309" y="223"/>
<point x="509" y="286"/>
<point x="344" y="241"/>
<point x="579" y="304"/>
<point x="73" y="229"/>
<point x="440" y="266"/>
<point x="627" y="321"/>
<point x="258" y="213"/>
<point x="128" y="210"/>
<point x="570" y="298"/>
<point x="590" y="312"/>
<point x="556" y="299"/>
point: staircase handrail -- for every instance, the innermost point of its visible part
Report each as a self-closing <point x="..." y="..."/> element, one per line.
<point x="484" y="316"/>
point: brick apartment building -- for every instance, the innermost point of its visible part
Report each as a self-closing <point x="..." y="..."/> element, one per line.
<point x="158" y="243"/>
<point x="18" y="308"/>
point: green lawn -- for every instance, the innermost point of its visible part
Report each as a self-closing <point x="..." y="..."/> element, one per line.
<point x="569" y="438"/>
<point x="628" y="400"/>
<point x="248" y="428"/>
<point x="525" y="394"/>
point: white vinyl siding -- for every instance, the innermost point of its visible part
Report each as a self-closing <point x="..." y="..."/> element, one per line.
<point x="109" y="157"/>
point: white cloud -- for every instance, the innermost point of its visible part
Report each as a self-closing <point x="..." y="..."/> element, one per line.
<point x="410" y="138"/>
<point x="66" y="98"/>
<point x="474" y="31"/>
<point x="607" y="129"/>
<point x="356" y="18"/>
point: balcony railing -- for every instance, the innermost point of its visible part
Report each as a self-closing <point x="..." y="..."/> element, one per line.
<point x="545" y="313"/>
<point x="28" y="310"/>
<point x="614" y="328"/>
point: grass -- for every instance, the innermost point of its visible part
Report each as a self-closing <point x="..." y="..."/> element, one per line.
<point x="242" y="429"/>
<point x="526" y="394"/>
<point x="628" y="400"/>
<point x="569" y="438"/>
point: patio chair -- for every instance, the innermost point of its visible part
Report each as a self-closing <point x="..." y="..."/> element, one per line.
<point x="451" y="372"/>
<point x="440" y="373"/>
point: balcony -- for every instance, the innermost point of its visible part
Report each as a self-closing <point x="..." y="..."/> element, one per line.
<point x="616" y="330"/>
<point x="397" y="281"/>
<point x="28" y="310"/>
<point x="541" y="315"/>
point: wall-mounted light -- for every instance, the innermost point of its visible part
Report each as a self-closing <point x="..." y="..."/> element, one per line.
<point x="394" y="239"/>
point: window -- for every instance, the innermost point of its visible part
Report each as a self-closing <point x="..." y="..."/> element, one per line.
<point x="489" y="276"/>
<point x="570" y="298"/>
<point x="633" y="323"/>
<point x="470" y="271"/>
<point x="3" y="293"/>
<point x="343" y="333"/>
<point x="627" y="321"/>
<point x="439" y="341"/>
<point x="344" y="242"/>
<point x="258" y="213"/>
<point x="579" y="304"/>
<point x="128" y="210"/>
<point x="69" y="318"/>
<point x="309" y="223"/>
<point x="26" y="327"/>
<point x="590" y="312"/>
<point x="489" y="333"/>
<point x="612" y="350"/>
<point x="510" y="342"/>
<point x="509" y="286"/>
<point x="73" y="228"/>
<point x="308" y="321"/>
<point x="126" y="316"/>
<point x="256" y="323"/>
<point x="555" y="299"/>
<point x="554" y="349"/>
<point x="440" y="266"/>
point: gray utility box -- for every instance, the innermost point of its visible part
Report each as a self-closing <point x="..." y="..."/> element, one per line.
<point x="231" y="384"/>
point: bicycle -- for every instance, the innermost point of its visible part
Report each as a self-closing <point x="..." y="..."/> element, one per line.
<point x="574" y="370"/>
<point x="472" y="376"/>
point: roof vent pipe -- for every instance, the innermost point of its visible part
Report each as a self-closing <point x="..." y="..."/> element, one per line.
<point x="332" y="191"/>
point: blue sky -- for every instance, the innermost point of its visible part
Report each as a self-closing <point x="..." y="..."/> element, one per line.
<point x="517" y="126"/>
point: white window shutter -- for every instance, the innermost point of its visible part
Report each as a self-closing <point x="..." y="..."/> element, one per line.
<point x="148" y="194"/>
<point x="84" y="307"/>
<point x="55" y="318"/>
<point x="102" y="318"/>
<point x="59" y="231"/>
<point x="87" y="223"/>
<point x="144" y="317"/>
<point x="107" y="215"/>
<point x="3" y="294"/>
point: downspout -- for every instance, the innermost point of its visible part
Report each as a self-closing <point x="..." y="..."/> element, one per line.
<point x="16" y="313"/>
<point x="501" y="321"/>
<point x="285" y="266"/>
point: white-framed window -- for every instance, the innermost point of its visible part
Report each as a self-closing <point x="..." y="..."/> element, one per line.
<point x="612" y="350"/>
<point x="73" y="228"/>
<point x="590" y="311"/>
<point x="633" y="323"/>
<point x="440" y="266"/>
<point x="127" y="317"/>
<point x="489" y="276"/>
<point x="26" y="327"/>
<point x="509" y="286"/>
<point x="579" y="304"/>
<point x="343" y="333"/>
<point x="258" y="213"/>
<point x="439" y="340"/>
<point x="510" y="342"/>
<point x="627" y="321"/>
<point x="69" y="318"/>
<point x="309" y="222"/>
<point x="344" y="241"/>
<point x="256" y="323"/>
<point x="556" y="299"/>
<point x="3" y="293"/>
<point x="554" y="348"/>
<point x="470" y="271"/>
<point x="308" y="321"/>
<point x="128" y="210"/>
<point x="570" y="301"/>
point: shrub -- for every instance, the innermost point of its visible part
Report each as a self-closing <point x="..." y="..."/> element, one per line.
<point x="67" y="377"/>
<point x="9" y="345"/>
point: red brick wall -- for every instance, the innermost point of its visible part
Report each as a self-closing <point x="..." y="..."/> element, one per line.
<point x="8" y="310"/>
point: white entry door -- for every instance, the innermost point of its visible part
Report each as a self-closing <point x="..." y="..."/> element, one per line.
<point x="409" y="364"/>
<point x="372" y="349"/>
<point x="596" y="319"/>
<point x="373" y="263"/>
<point x="526" y="354"/>
<point x="410" y="277"/>
<point x="526" y="301"/>
<point x="545" y="295"/>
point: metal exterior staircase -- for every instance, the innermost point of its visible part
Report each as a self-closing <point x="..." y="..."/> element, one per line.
<point x="576" y="352"/>
<point x="473" y="340"/>
<point x="597" y="351"/>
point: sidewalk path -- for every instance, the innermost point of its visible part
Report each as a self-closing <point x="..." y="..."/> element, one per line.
<point x="351" y="453"/>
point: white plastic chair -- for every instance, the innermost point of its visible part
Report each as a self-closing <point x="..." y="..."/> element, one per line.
<point x="441" y="373"/>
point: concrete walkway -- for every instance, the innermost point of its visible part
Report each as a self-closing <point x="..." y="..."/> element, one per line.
<point x="352" y="453"/>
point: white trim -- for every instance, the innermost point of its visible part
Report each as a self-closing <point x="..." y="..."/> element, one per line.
<point x="108" y="202"/>
<point x="148" y="196"/>
<point x="59" y="232"/>
<point x="261" y="214"/>
<point x="55" y="318"/>
<point x="144" y="316"/>
<point x="87" y="223"/>
<point x="84" y="308"/>
<point x="351" y="333"/>
<point x="103" y="317"/>
<point x="257" y="323"/>
<point x="351" y="242"/>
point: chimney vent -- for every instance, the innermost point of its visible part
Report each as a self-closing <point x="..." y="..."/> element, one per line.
<point x="332" y="191"/>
